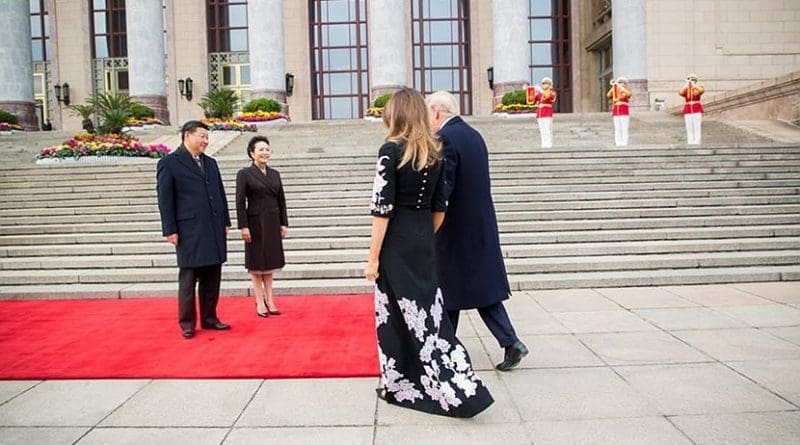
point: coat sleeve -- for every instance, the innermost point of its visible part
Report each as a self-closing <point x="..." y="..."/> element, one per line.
<point x="165" y="188"/>
<point x="439" y="201"/>
<point x="282" y="203"/>
<point x="241" y="200"/>
<point x="449" y="167"/>
<point x="226" y="211"/>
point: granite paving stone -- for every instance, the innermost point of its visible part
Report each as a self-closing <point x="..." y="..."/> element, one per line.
<point x="13" y="388"/>
<point x="629" y="431"/>
<point x="739" y="344"/>
<point x="771" y="428"/>
<point x="716" y="295"/>
<point x="629" y="348"/>
<point x="312" y="435"/>
<point x="140" y="436"/>
<point x="689" y="318"/>
<point x="780" y="376"/>
<point x="644" y="297"/>
<point x="603" y="321"/>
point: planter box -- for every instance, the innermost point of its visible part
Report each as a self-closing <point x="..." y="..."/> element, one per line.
<point x="95" y="160"/>
<point x="6" y="132"/>
<point x="373" y="119"/>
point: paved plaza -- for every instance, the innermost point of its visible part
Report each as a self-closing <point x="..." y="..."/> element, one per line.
<point x="661" y="365"/>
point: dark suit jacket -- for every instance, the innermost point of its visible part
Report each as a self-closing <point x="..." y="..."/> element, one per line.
<point x="469" y="260"/>
<point x="192" y="203"/>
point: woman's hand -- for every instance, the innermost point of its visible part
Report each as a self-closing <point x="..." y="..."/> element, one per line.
<point x="246" y="235"/>
<point x="371" y="270"/>
<point x="284" y="232"/>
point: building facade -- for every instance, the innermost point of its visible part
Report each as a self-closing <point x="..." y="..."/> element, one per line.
<point x="329" y="59"/>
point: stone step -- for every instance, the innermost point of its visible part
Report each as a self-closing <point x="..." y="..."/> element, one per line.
<point x="353" y="249"/>
<point x="332" y="236"/>
<point x="541" y="212"/>
<point x="514" y="266"/>
<point x="510" y="222"/>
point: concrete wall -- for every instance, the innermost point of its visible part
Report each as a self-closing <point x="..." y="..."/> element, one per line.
<point x="729" y="43"/>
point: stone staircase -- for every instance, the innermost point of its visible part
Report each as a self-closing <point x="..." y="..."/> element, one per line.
<point x="583" y="214"/>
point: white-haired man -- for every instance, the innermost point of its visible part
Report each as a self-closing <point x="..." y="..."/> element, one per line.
<point x="469" y="261"/>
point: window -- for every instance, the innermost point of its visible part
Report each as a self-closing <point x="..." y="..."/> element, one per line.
<point x="40" y="31"/>
<point x="339" y="75"/>
<point x="549" y="42"/>
<point x="227" y="25"/>
<point x="109" y="38"/>
<point x="441" y="49"/>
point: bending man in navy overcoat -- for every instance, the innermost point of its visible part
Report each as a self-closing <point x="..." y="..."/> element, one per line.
<point x="472" y="274"/>
<point x="195" y="219"/>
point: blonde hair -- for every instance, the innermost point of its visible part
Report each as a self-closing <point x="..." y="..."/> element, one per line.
<point x="406" y="120"/>
<point x="444" y="101"/>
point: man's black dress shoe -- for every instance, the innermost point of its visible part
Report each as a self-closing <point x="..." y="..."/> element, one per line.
<point x="514" y="354"/>
<point x="188" y="333"/>
<point x="217" y="325"/>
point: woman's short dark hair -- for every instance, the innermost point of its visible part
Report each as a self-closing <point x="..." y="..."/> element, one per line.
<point x="190" y="127"/>
<point x="251" y="146"/>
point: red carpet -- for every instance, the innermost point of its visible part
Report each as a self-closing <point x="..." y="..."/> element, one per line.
<point x="316" y="336"/>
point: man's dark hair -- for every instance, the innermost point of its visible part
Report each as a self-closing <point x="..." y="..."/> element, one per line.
<point x="251" y="146"/>
<point x="190" y="127"/>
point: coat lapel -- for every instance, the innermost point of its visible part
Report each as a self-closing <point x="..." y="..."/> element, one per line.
<point x="185" y="158"/>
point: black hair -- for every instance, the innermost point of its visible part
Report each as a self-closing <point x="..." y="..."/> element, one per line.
<point x="251" y="146"/>
<point x="190" y="127"/>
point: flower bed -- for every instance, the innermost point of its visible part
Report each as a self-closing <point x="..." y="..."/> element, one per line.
<point x="515" y="108"/>
<point x="8" y="128"/>
<point x="141" y="122"/>
<point x="85" y="144"/>
<point x="375" y="112"/>
<point x="261" y="116"/>
<point x="215" y="124"/>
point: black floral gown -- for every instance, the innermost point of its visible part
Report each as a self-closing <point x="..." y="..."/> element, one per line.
<point x="423" y="365"/>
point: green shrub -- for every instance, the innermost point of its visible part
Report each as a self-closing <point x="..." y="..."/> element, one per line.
<point x="139" y="111"/>
<point x="112" y="111"/>
<point x="515" y="97"/>
<point x="220" y="103"/>
<point x="382" y="100"/>
<point x="7" y="117"/>
<point x="262" y="104"/>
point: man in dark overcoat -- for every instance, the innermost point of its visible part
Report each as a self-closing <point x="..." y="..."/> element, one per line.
<point x="195" y="219"/>
<point x="472" y="274"/>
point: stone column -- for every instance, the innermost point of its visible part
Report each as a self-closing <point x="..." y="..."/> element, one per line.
<point x="267" y="59"/>
<point x="16" y="63"/>
<point x="629" y="41"/>
<point x="511" y="54"/>
<point x="146" y="64"/>
<point x="388" y="46"/>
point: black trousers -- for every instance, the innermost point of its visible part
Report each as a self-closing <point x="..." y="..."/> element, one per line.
<point x="496" y="319"/>
<point x="207" y="280"/>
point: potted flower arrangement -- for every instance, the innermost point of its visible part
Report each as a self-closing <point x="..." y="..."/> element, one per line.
<point x="8" y="123"/>
<point x="515" y="102"/>
<point x="376" y="111"/>
<point x="108" y="145"/>
<point x="219" y="107"/>
<point x="261" y="110"/>
<point x="217" y="124"/>
<point x="142" y="116"/>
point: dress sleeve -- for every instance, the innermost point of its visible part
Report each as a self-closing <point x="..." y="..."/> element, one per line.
<point x="440" y="193"/>
<point x="241" y="199"/>
<point x="282" y="203"/>
<point x="384" y="187"/>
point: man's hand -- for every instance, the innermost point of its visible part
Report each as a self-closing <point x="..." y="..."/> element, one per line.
<point x="246" y="235"/>
<point x="172" y="239"/>
<point x="284" y="231"/>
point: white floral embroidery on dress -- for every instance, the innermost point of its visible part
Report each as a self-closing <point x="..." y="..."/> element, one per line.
<point x="381" y="307"/>
<point x="378" y="184"/>
<point x="402" y="389"/>
<point x="436" y="309"/>
<point x="414" y="316"/>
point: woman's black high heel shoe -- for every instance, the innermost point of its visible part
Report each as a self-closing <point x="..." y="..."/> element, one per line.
<point x="262" y="314"/>
<point x="270" y="311"/>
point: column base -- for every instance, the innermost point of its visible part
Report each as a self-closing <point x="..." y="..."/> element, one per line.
<point x="504" y="87"/>
<point x="277" y="95"/>
<point x="25" y="112"/>
<point x="640" y="101"/>
<point x="157" y="103"/>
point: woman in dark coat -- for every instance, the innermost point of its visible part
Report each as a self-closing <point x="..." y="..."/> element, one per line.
<point x="261" y="212"/>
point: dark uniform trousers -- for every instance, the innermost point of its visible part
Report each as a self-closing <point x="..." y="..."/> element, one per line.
<point x="496" y="319"/>
<point x="207" y="279"/>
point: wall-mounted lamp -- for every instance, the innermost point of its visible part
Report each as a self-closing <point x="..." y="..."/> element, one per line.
<point x="185" y="87"/>
<point x="62" y="93"/>
<point x="289" y="83"/>
<point x="490" y="76"/>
